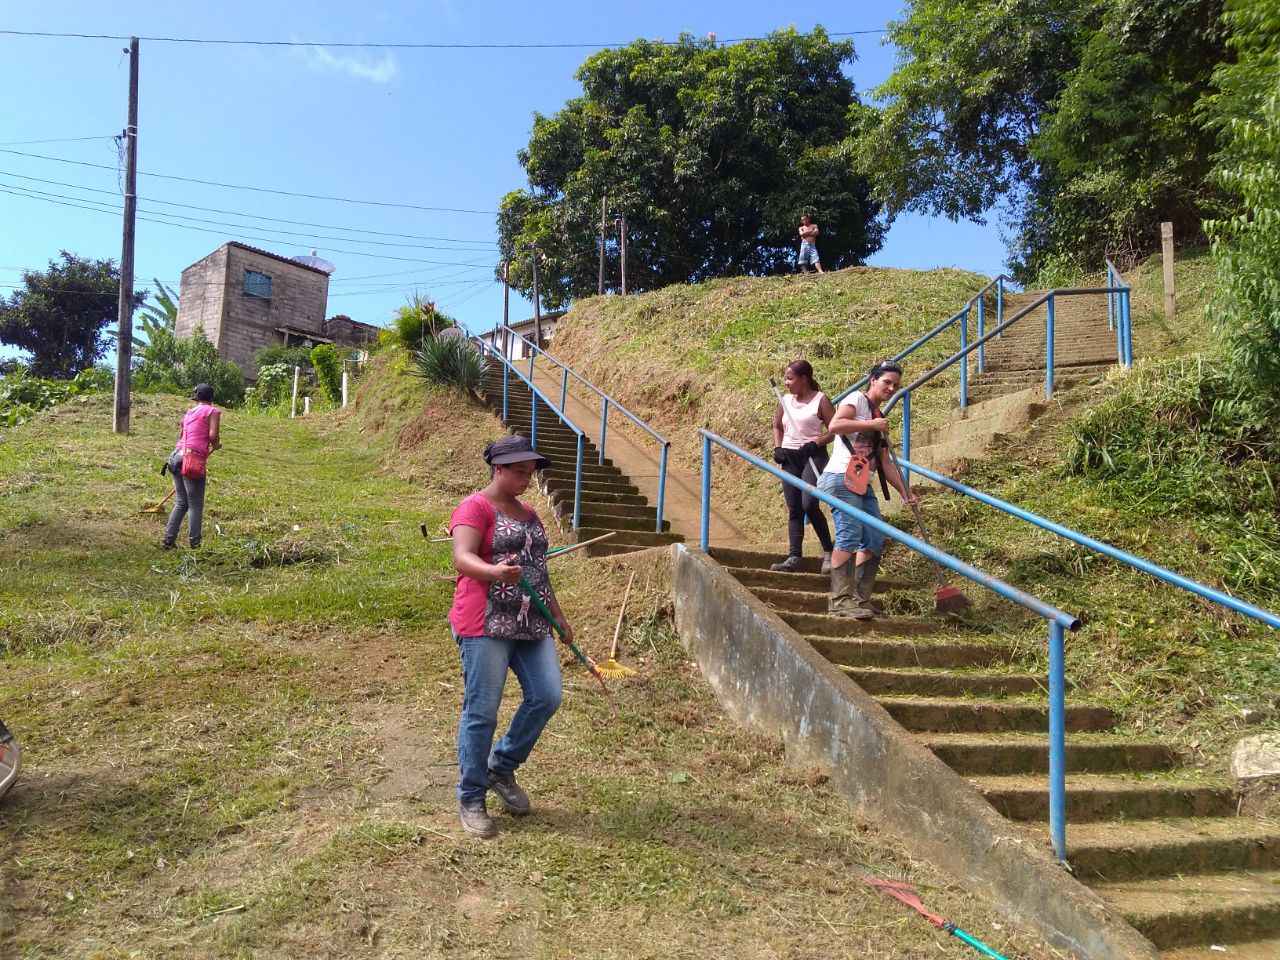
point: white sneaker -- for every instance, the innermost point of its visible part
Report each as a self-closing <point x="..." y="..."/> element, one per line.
<point x="826" y="563"/>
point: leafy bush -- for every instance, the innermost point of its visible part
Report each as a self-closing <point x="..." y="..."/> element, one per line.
<point x="324" y="358"/>
<point x="22" y="396"/>
<point x="1186" y="438"/>
<point x="418" y="322"/>
<point x="279" y="353"/>
<point x="451" y="361"/>
<point x="170" y="365"/>
<point x="275" y="382"/>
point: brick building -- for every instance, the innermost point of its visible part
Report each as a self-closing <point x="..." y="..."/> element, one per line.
<point x="247" y="299"/>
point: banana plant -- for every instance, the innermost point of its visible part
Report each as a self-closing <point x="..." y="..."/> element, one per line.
<point x="153" y="317"/>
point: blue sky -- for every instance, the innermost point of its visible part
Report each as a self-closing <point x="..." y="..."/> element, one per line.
<point x="434" y="128"/>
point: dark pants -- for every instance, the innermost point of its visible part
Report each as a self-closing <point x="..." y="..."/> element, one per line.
<point x="188" y="495"/>
<point x="801" y="504"/>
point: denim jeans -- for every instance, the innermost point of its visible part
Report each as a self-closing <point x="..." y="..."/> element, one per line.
<point x="485" y="660"/>
<point x="852" y="534"/>
<point x="188" y="495"/>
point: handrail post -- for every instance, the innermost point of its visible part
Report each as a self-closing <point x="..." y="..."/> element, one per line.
<point x="506" y="377"/>
<point x="982" y="330"/>
<point x="1048" y="350"/>
<point x="1057" y="743"/>
<point x="1126" y="305"/>
<point x="704" y="529"/>
<point x="1111" y="299"/>
<point x="662" y="481"/>
<point x="533" y="355"/>
<point x="964" y="361"/>
<point x="604" y="425"/>
<point x="577" y="485"/>
<point x="564" y="389"/>
<point x="533" y="418"/>
<point x="1000" y="305"/>
<point x="906" y="436"/>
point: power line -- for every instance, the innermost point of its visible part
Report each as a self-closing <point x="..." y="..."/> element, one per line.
<point x="392" y="45"/>
<point x="241" y="186"/>
<point x="248" y="216"/>
<point x="19" y="143"/>
<point x="222" y="233"/>
<point x="224" y="223"/>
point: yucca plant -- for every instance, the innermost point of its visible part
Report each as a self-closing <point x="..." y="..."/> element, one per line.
<point x="450" y="361"/>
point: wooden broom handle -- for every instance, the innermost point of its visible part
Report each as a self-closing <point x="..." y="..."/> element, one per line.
<point x="622" y="611"/>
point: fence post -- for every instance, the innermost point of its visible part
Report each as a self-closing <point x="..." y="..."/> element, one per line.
<point x="1166" y="256"/>
<point x="662" y="481"/>
<point x="293" y="397"/>
<point x="604" y="425"/>
<point x="344" y="384"/>
<point x="964" y="361"/>
<point x="306" y="406"/>
<point x="982" y="329"/>
<point x="704" y="534"/>
<point x="1048" y="351"/>
<point x="1057" y="743"/>
<point x="577" y="486"/>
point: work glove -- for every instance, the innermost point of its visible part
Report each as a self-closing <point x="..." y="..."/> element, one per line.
<point x="780" y="456"/>
<point x="810" y="450"/>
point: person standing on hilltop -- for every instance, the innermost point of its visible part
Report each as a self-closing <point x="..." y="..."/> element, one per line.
<point x="499" y="544"/>
<point x="198" y="436"/>
<point x="809" y="245"/>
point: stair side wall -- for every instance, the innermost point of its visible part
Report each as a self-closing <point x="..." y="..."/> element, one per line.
<point x="768" y="677"/>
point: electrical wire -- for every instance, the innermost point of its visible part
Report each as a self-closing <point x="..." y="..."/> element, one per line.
<point x="391" y="45"/>
<point x="250" y="216"/>
<point x="20" y="143"/>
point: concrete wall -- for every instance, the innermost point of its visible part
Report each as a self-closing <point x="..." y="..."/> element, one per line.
<point x="299" y="298"/>
<point x="769" y="677"/>
<point x="200" y="296"/>
<point x="350" y="332"/>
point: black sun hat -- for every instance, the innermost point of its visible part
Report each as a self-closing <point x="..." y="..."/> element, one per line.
<point x="513" y="449"/>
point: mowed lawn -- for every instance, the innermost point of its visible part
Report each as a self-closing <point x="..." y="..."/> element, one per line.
<point x="248" y="752"/>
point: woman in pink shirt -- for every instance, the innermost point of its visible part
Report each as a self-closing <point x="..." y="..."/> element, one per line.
<point x="197" y="438"/>
<point x="498" y="540"/>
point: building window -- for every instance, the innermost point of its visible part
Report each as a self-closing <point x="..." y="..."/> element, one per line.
<point x="257" y="285"/>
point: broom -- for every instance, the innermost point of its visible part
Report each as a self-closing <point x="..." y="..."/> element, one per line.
<point x="905" y="893"/>
<point x="946" y="598"/>
<point x="611" y="667"/>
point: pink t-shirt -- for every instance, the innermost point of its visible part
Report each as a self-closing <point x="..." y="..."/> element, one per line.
<point x="195" y="428"/>
<point x="471" y="596"/>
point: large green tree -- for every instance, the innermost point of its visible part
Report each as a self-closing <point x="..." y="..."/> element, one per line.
<point x="1076" y="115"/>
<point x="711" y="153"/>
<point x="61" y="314"/>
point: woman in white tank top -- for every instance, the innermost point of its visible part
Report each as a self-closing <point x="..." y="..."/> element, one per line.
<point x="800" y="439"/>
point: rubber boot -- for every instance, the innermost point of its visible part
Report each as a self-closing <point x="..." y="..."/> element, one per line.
<point x="864" y="583"/>
<point x="844" y="601"/>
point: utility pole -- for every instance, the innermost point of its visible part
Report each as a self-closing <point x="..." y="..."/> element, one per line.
<point x="622" y="250"/>
<point x="600" y="283"/>
<point x="506" y="309"/>
<point x="537" y="301"/>
<point x="124" y="309"/>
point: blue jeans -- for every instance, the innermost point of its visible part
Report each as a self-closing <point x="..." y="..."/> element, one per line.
<point x="852" y="534"/>
<point x="485" y="660"/>
<point x="808" y="254"/>
<point x="188" y="501"/>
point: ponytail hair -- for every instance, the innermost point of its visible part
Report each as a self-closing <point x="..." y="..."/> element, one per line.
<point x="802" y="368"/>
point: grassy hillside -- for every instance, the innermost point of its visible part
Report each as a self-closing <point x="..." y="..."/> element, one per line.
<point x="248" y="752"/>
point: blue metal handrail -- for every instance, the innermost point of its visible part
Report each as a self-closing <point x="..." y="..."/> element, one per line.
<point x="961" y="315"/>
<point x="1058" y="620"/>
<point x="535" y="394"/>
<point x="606" y="404"/>
<point x="1106" y="549"/>
<point x="1119" y="310"/>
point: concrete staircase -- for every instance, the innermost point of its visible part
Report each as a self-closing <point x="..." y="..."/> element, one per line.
<point x="611" y="503"/>
<point x="1160" y="843"/>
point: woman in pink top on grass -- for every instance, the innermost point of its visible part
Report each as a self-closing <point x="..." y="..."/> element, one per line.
<point x="498" y="540"/>
<point x="197" y="438"/>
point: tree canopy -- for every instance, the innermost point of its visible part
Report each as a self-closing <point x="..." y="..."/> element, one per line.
<point x="710" y="152"/>
<point x="61" y="314"/>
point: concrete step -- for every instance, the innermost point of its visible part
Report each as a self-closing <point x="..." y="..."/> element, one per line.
<point x="590" y="471"/>
<point x="1216" y="908"/>
<point x="806" y="582"/>
<point x="559" y="482"/>
<point x="634" y="537"/>
<point x="922" y="714"/>
<point x="1267" y="949"/>
<point x="1161" y="848"/>
<point x="758" y="559"/>
<point x="1003" y="755"/>
<point x="594" y="497"/>
<point x="876" y="652"/>
<point x="612" y="521"/>
<point x="1093" y="797"/>
<point x="821" y="625"/>
<point x="942" y="683"/>
<point x="611" y="549"/>
<point x="796" y="601"/>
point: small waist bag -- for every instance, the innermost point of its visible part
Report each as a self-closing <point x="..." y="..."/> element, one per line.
<point x="857" y="475"/>
<point x="193" y="464"/>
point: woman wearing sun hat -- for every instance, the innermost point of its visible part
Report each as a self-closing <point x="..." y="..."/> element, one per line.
<point x="498" y="540"/>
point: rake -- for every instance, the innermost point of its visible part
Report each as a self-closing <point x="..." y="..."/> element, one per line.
<point x="611" y="667"/>
<point x="155" y="507"/>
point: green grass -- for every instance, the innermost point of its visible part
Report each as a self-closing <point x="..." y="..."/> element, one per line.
<point x="233" y="756"/>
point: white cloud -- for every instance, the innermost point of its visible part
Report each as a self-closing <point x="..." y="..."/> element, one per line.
<point x="383" y="70"/>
